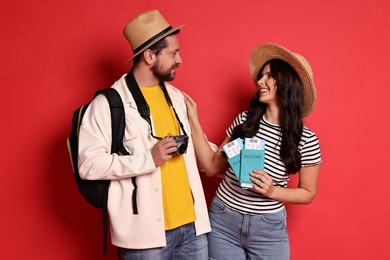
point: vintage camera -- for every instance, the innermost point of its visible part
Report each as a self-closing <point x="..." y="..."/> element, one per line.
<point x="181" y="143"/>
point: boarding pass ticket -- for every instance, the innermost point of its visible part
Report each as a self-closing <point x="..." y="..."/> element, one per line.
<point x="254" y="143"/>
<point x="233" y="148"/>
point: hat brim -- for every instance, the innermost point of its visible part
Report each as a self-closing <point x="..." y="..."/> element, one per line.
<point x="156" y="40"/>
<point x="268" y="51"/>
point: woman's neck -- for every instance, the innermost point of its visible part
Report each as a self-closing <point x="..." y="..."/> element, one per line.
<point x="272" y="115"/>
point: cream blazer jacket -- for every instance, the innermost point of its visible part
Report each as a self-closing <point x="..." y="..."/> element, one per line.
<point x="145" y="230"/>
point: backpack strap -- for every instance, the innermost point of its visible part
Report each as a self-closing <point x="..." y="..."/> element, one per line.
<point x="117" y="119"/>
<point x="117" y="131"/>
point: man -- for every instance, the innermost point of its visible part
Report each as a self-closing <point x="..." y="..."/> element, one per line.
<point x="172" y="218"/>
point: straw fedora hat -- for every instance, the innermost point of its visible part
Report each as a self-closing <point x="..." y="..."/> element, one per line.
<point x="268" y="51"/>
<point x="146" y="29"/>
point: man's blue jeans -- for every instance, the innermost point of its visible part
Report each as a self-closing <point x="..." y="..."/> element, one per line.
<point x="182" y="244"/>
<point x="243" y="236"/>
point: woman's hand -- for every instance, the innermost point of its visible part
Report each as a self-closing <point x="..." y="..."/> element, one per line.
<point x="303" y="194"/>
<point x="192" y="108"/>
<point x="262" y="183"/>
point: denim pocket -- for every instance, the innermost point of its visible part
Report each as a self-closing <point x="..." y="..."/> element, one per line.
<point x="275" y="218"/>
<point x="217" y="206"/>
<point x="274" y="226"/>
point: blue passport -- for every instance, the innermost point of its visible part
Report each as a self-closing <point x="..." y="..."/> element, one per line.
<point x="252" y="158"/>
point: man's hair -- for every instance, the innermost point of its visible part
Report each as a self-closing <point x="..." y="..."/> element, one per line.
<point x="156" y="48"/>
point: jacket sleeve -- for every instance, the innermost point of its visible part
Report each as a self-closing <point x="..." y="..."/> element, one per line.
<point x="95" y="159"/>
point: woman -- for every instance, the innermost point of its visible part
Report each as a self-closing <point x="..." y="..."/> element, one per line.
<point x="251" y="223"/>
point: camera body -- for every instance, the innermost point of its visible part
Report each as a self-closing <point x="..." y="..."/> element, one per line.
<point x="181" y="143"/>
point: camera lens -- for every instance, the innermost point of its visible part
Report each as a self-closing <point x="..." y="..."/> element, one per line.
<point x="181" y="149"/>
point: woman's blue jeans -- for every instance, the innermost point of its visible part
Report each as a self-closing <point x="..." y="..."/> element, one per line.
<point x="243" y="236"/>
<point x="182" y="244"/>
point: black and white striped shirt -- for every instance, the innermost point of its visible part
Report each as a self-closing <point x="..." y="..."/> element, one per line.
<point x="249" y="202"/>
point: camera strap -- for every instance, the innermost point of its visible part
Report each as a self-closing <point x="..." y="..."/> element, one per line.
<point x="142" y="105"/>
<point x="164" y="89"/>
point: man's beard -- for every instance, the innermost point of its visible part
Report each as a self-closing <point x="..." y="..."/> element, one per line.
<point x="161" y="74"/>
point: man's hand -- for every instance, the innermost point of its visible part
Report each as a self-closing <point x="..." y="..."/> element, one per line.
<point x="162" y="151"/>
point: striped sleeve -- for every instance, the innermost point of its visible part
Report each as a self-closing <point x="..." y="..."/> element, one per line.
<point x="237" y="121"/>
<point x="311" y="152"/>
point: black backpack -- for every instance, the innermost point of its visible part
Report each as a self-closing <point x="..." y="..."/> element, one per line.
<point x="96" y="191"/>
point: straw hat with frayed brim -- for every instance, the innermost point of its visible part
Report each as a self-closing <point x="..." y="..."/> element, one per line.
<point x="146" y="29"/>
<point x="268" y="51"/>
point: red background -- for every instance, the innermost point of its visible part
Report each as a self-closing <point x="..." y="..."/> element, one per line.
<point x="55" y="54"/>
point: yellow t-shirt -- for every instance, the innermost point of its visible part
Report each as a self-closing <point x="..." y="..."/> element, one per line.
<point x="177" y="197"/>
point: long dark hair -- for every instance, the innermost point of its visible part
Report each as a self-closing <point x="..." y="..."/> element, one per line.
<point x="289" y="91"/>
